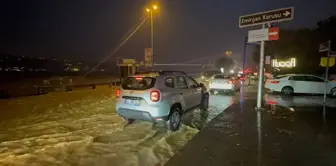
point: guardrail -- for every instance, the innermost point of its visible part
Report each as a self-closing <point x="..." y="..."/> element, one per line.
<point x="24" y="89"/>
<point x="70" y="86"/>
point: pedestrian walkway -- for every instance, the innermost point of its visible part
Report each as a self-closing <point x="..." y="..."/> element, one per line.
<point x="274" y="137"/>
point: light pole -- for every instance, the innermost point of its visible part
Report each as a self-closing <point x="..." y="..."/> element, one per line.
<point x="154" y="7"/>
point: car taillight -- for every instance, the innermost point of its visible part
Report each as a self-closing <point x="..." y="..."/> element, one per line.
<point x="231" y="82"/>
<point x="271" y="102"/>
<point x="118" y="93"/>
<point x="274" y="82"/>
<point x="138" y="78"/>
<point x="155" y="95"/>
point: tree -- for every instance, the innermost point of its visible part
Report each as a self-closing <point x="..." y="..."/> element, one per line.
<point x="302" y="44"/>
<point x="225" y="62"/>
<point x="326" y="30"/>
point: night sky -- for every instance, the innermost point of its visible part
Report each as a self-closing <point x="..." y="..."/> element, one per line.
<point x="184" y="29"/>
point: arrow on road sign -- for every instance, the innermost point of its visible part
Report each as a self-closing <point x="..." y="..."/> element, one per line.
<point x="287" y="13"/>
<point x="273" y="33"/>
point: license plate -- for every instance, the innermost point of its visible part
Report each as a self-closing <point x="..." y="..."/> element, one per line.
<point x="132" y="102"/>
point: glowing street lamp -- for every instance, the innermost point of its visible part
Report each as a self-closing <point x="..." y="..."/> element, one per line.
<point x="228" y="53"/>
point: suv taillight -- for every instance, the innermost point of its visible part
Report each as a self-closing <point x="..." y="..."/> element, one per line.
<point x="155" y="95"/>
<point x="231" y="82"/>
<point x="118" y="93"/>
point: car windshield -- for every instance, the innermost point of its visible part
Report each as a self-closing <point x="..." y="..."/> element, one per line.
<point x="138" y="83"/>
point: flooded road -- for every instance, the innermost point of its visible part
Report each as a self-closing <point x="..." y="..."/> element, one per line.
<point x="82" y="128"/>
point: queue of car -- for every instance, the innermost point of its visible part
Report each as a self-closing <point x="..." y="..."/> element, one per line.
<point x="163" y="96"/>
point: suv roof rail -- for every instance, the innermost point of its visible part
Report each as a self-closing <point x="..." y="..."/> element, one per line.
<point x="162" y="72"/>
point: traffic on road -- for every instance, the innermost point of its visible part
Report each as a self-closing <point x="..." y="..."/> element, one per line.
<point x="206" y="83"/>
<point x="150" y="113"/>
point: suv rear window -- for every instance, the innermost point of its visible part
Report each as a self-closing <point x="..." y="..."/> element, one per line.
<point x="138" y="83"/>
<point x="221" y="77"/>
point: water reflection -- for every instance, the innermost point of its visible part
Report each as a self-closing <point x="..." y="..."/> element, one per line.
<point x="259" y="129"/>
<point x="199" y="119"/>
<point x="298" y="101"/>
<point x="307" y="111"/>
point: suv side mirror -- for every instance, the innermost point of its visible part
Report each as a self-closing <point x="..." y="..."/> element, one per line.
<point x="201" y="85"/>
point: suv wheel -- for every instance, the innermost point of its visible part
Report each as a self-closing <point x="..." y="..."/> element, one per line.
<point x="205" y="102"/>
<point x="174" y="120"/>
<point x="129" y="121"/>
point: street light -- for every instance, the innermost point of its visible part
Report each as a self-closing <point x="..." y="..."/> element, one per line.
<point x="228" y="53"/>
<point x="149" y="10"/>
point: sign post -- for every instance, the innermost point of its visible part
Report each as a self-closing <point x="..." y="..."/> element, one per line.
<point x="148" y="57"/>
<point x="261" y="73"/>
<point x="326" y="71"/>
<point x="264" y="34"/>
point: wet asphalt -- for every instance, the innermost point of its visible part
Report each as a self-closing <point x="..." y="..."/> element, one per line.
<point x="297" y="130"/>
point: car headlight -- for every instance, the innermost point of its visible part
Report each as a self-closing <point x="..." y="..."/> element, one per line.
<point x="202" y="77"/>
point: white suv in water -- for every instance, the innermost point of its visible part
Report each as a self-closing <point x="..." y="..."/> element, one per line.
<point x="160" y="97"/>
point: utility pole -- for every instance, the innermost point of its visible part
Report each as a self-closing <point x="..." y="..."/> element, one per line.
<point x="261" y="73"/>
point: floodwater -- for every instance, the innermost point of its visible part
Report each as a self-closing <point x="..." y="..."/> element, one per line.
<point x="82" y="128"/>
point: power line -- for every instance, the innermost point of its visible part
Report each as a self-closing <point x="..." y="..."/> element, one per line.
<point x="126" y="37"/>
<point x="206" y="57"/>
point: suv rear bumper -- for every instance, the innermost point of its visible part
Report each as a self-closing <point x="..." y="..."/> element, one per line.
<point x="139" y="115"/>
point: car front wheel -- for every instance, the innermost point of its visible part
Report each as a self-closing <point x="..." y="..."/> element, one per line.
<point x="205" y="102"/>
<point x="174" y="120"/>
